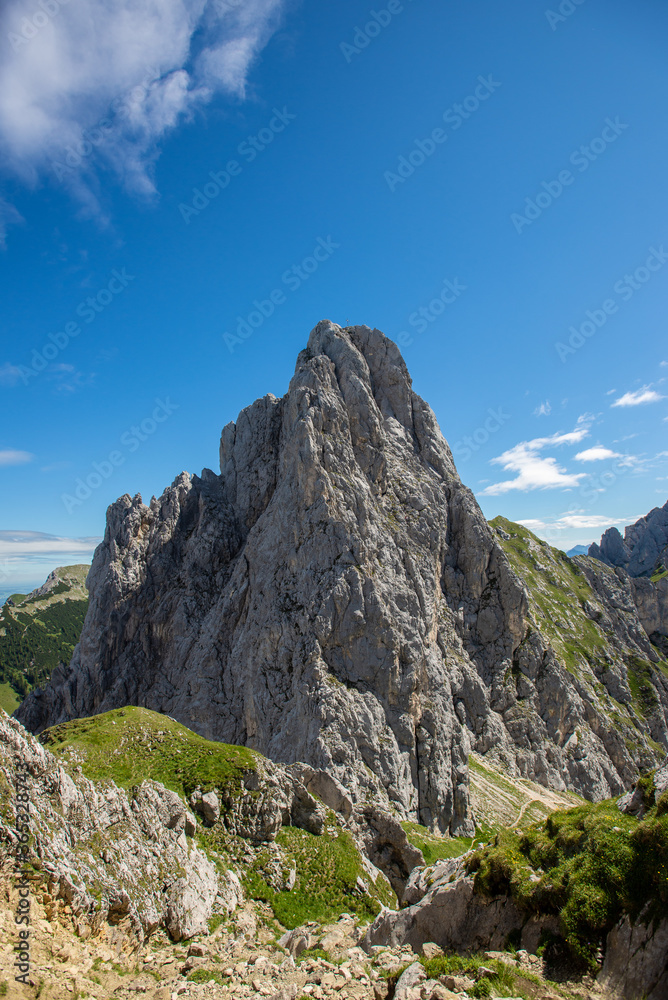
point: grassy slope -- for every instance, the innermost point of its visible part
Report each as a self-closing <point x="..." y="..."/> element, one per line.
<point x="589" y="865"/>
<point x="39" y="633"/>
<point x="330" y="878"/>
<point x="498" y="802"/>
<point x="130" y="744"/>
<point x="558" y="591"/>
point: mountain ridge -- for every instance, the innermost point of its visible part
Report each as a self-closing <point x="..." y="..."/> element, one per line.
<point x="336" y="596"/>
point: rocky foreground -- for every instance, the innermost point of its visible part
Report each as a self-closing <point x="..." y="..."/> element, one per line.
<point x="248" y="879"/>
<point x="242" y="959"/>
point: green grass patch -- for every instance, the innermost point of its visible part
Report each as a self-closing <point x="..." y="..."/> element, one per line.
<point x="329" y="871"/>
<point x="448" y="965"/>
<point x="433" y="847"/>
<point x="130" y="744"/>
<point x="640" y="674"/>
<point x="593" y="864"/>
<point x="206" y="975"/>
<point x="9" y="700"/>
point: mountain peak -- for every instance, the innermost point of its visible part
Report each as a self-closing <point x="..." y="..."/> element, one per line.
<point x="335" y="596"/>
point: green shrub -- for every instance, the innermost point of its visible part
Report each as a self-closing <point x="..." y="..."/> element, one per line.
<point x="206" y="975"/>
<point x="446" y="965"/>
<point x="593" y="864"/>
<point x="483" y="988"/>
<point x="328" y="869"/>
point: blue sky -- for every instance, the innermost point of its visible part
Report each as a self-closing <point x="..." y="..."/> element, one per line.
<point x="487" y="187"/>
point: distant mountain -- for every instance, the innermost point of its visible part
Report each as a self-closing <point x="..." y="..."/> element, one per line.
<point x="643" y="551"/>
<point x="39" y="630"/>
<point x="578" y="550"/>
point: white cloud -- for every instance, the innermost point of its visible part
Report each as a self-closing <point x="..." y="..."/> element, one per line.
<point x="535" y="472"/>
<point x="27" y="557"/>
<point x="663" y="364"/>
<point x="637" y="398"/>
<point x="544" y="410"/>
<point x="8" y="216"/>
<point x="13" y="457"/>
<point x="596" y="454"/>
<point x="577" y="521"/>
<point x="139" y="66"/>
<point x="30" y="544"/>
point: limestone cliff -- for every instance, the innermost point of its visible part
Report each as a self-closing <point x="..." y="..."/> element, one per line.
<point x="335" y="596"/>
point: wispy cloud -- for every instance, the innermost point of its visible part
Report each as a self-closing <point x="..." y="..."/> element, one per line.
<point x="535" y="472"/>
<point x="37" y="544"/>
<point x="9" y="374"/>
<point x="596" y="454"/>
<point x="27" y="557"/>
<point x="13" y="457"/>
<point x="577" y="521"/>
<point x="639" y="397"/>
<point x="132" y="69"/>
<point x="544" y="410"/>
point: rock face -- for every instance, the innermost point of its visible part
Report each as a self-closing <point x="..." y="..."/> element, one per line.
<point x="114" y="856"/>
<point x="440" y="906"/>
<point x="449" y="913"/>
<point x="636" y="960"/>
<point x="336" y="597"/>
<point x="644" y="549"/>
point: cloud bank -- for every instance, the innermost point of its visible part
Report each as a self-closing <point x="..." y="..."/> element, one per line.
<point x="84" y="77"/>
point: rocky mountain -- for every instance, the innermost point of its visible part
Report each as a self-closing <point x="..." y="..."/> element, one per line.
<point x="39" y="630"/>
<point x="641" y="557"/>
<point x="578" y="550"/>
<point x="335" y="597"/>
<point x="643" y="551"/>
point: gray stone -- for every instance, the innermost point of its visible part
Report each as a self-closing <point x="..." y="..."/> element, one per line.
<point x="129" y="845"/>
<point x="409" y="979"/>
<point x="636" y="960"/>
<point x="210" y="807"/>
<point x="336" y="597"/>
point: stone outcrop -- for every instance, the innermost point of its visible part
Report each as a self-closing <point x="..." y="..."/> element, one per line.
<point x="336" y="597"/>
<point x="636" y="960"/>
<point x="450" y="914"/>
<point x="644" y="548"/>
<point x="441" y="906"/>
<point x="115" y="856"/>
